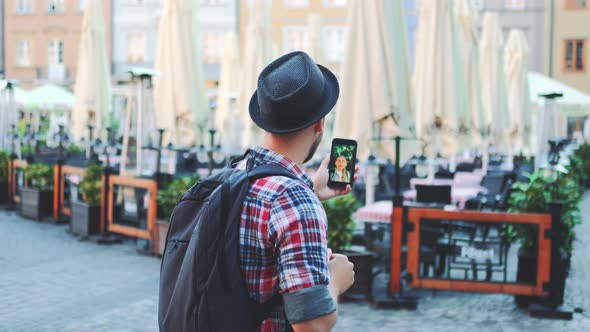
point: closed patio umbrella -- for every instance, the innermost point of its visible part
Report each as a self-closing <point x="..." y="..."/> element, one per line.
<point x="516" y="63"/>
<point x="8" y="112"/>
<point x="493" y="85"/>
<point x="256" y="54"/>
<point x="374" y="75"/>
<point x="226" y="116"/>
<point x="438" y="79"/>
<point x="314" y="38"/>
<point x="467" y="38"/>
<point x="92" y="99"/>
<point x="179" y="88"/>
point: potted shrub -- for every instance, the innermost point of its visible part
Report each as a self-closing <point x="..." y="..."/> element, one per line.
<point x="582" y="153"/>
<point x="339" y="211"/>
<point x="85" y="217"/>
<point x="37" y="198"/>
<point x="535" y="196"/>
<point x="3" y="177"/>
<point x="166" y="201"/>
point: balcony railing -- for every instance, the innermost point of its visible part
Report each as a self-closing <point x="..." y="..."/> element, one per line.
<point x="55" y="72"/>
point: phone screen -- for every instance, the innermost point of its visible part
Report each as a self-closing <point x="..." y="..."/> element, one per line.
<point x="342" y="160"/>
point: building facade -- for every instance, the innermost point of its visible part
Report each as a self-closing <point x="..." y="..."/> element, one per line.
<point x="41" y="39"/>
<point x="135" y="38"/>
<point x="2" y="38"/>
<point x="525" y="15"/>
<point x="567" y="38"/>
<point x="289" y="26"/>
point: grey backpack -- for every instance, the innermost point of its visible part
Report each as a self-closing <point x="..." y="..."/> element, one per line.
<point x="201" y="284"/>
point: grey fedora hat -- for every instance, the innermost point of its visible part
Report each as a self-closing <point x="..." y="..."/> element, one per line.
<point x="293" y="92"/>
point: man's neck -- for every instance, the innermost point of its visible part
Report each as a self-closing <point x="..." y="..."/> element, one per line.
<point x="291" y="153"/>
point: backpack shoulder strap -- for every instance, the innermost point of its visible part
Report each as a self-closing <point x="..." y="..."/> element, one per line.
<point x="271" y="169"/>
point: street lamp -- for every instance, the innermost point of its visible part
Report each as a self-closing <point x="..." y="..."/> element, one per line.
<point x="213" y="152"/>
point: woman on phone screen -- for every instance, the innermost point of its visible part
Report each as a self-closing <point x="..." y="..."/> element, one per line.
<point x="339" y="173"/>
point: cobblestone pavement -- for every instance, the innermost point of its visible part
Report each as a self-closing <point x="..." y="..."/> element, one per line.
<point x="49" y="281"/>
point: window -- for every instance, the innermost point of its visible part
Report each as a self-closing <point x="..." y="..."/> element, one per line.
<point x="22" y="53"/>
<point x="136" y="46"/>
<point x="296" y="3"/>
<point x="24" y="6"/>
<point x="575" y="55"/>
<point x="515" y="4"/>
<point x="55" y="52"/>
<point x="212" y="2"/>
<point x="333" y="41"/>
<point x="294" y="38"/>
<point x="56" y="6"/>
<point x="81" y="5"/>
<point x="212" y="46"/>
<point x="335" y="3"/>
<point x="478" y="5"/>
<point x="575" y="4"/>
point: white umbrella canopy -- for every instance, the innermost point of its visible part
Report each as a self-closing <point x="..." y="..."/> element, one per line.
<point x="51" y="97"/>
<point x="227" y="93"/>
<point x="466" y="19"/>
<point x="372" y="75"/>
<point x="256" y="54"/>
<point x="516" y="63"/>
<point x="93" y="82"/>
<point x="437" y="78"/>
<point x="179" y="89"/>
<point x="494" y="95"/>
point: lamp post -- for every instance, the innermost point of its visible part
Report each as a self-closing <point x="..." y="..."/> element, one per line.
<point x="212" y="152"/>
<point x="29" y="138"/>
<point x="12" y="177"/>
<point x="90" y="148"/>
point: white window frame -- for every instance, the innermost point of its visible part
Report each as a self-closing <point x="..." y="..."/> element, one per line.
<point x="515" y="4"/>
<point x="327" y="4"/>
<point x="23" y="7"/>
<point x="213" y="3"/>
<point x="60" y="6"/>
<point x="55" y="51"/>
<point x="329" y="47"/>
<point x="299" y="4"/>
<point x="212" y="46"/>
<point x="304" y="38"/>
<point x="23" y="53"/>
<point x="136" y="46"/>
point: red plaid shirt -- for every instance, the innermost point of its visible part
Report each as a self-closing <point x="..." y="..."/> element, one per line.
<point x="282" y="236"/>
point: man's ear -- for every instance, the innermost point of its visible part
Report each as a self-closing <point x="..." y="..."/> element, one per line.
<point x="319" y="126"/>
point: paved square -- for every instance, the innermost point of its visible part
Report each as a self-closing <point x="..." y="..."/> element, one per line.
<point x="50" y="281"/>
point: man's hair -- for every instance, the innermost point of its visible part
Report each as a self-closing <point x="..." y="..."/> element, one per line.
<point x="288" y="137"/>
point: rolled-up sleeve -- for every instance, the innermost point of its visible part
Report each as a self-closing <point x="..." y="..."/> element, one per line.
<point x="298" y="224"/>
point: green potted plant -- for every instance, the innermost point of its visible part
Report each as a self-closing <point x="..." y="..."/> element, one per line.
<point x="535" y="196"/>
<point x="166" y="201"/>
<point x="3" y="177"/>
<point x="85" y="217"/>
<point x="37" y="197"/>
<point x="339" y="211"/>
<point x="583" y="154"/>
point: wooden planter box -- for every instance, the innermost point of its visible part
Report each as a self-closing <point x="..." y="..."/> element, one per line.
<point x="36" y="204"/>
<point x="85" y="219"/>
<point x="363" y="274"/>
<point x="162" y="231"/>
<point x="3" y="192"/>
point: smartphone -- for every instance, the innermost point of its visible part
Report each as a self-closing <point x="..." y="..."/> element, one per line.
<point x="342" y="162"/>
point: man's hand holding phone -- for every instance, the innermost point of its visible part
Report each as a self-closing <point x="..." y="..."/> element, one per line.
<point x="320" y="182"/>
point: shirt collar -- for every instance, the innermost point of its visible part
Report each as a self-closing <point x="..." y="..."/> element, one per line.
<point x="265" y="156"/>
